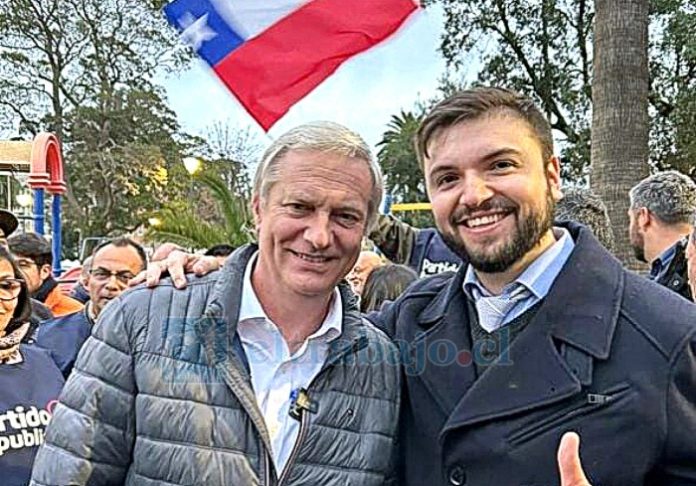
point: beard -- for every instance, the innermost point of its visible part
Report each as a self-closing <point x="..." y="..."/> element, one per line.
<point x="527" y="234"/>
<point x="637" y="243"/>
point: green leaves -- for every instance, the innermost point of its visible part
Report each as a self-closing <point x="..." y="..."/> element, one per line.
<point x="187" y="227"/>
<point x="397" y="157"/>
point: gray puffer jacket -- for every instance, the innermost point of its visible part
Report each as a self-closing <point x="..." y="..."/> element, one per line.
<point x="161" y="395"/>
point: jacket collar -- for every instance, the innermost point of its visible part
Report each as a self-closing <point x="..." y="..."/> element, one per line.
<point x="45" y="289"/>
<point x="585" y="302"/>
<point x="583" y="317"/>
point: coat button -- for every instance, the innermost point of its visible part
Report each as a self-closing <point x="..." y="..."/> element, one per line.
<point x="457" y="477"/>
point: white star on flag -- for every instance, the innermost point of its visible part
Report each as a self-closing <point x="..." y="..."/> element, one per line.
<point x="196" y="31"/>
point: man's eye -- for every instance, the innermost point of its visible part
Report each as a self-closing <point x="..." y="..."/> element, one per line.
<point x="445" y="179"/>
<point x="348" y="218"/>
<point x="502" y="164"/>
<point x="298" y="207"/>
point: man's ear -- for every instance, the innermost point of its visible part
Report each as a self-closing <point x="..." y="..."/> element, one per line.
<point x="553" y="176"/>
<point x="256" y="209"/>
<point x="44" y="271"/>
<point x="644" y="218"/>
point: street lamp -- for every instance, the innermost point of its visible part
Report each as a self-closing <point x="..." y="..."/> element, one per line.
<point x="24" y="199"/>
<point x="192" y="164"/>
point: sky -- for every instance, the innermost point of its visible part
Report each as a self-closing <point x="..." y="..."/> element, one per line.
<point x="363" y="94"/>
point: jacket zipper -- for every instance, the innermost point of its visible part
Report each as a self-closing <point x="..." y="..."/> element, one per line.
<point x="304" y="426"/>
<point x="266" y="468"/>
<point x="304" y="420"/>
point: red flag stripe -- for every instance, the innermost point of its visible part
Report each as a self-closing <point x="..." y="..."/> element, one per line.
<point x="273" y="71"/>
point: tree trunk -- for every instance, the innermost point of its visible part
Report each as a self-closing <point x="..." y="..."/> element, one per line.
<point x="620" y="110"/>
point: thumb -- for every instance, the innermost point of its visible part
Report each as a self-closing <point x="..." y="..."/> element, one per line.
<point x="569" y="461"/>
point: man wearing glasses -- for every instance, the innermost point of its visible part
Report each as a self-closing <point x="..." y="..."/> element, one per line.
<point x="114" y="263"/>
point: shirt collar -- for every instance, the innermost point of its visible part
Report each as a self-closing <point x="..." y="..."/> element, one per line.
<point x="663" y="260"/>
<point x="537" y="277"/>
<point x="250" y="307"/>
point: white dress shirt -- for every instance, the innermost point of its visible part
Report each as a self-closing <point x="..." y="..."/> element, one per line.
<point x="275" y="373"/>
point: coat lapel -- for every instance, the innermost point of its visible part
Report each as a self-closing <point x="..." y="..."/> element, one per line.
<point x="440" y="352"/>
<point x="577" y="320"/>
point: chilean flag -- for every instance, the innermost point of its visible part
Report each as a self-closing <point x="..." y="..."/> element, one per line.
<point x="271" y="53"/>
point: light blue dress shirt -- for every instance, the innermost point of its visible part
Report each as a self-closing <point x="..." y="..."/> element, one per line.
<point x="536" y="279"/>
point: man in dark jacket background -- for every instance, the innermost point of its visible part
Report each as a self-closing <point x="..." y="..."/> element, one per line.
<point x="422" y="249"/>
<point x="660" y="223"/>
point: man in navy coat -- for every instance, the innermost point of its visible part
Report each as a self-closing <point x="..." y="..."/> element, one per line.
<point x="542" y="333"/>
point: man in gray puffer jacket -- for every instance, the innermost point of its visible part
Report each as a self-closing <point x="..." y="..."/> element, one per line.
<point x="263" y="373"/>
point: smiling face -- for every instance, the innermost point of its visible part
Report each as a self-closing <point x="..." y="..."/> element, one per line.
<point x="492" y="192"/>
<point x="311" y="223"/>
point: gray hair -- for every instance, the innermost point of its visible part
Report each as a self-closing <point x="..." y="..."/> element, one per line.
<point x="584" y="206"/>
<point x="326" y="137"/>
<point x="669" y="195"/>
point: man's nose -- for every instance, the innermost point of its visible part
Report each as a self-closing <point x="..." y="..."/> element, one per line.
<point x="114" y="283"/>
<point x="475" y="191"/>
<point x="318" y="231"/>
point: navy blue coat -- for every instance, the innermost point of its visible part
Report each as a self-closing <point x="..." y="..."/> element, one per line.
<point x="28" y="393"/>
<point x="64" y="337"/>
<point x="609" y="354"/>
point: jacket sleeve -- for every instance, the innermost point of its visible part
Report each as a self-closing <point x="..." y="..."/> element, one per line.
<point x="394" y="238"/>
<point x="90" y="438"/>
<point x="678" y="465"/>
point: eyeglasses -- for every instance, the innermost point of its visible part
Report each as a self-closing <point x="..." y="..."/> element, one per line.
<point x="103" y="275"/>
<point x="10" y="288"/>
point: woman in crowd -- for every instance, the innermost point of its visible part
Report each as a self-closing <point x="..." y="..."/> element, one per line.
<point x="385" y="283"/>
<point x="30" y="381"/>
